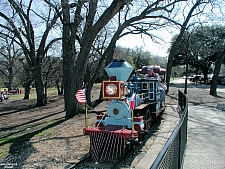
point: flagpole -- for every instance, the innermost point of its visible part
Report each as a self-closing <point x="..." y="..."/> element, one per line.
<point x="132" y="120"/>
<point x="86" y="115"/>
<point x="132" y="107"/>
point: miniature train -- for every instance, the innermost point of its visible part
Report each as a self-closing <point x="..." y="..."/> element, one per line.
<point x="132" y="107"/>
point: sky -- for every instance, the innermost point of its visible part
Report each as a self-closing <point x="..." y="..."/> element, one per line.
<point x="132" y="41"/>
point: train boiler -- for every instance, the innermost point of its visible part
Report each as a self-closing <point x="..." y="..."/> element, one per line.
<point x="133" y="104"/>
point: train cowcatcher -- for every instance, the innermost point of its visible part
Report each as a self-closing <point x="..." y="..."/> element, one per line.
<point x="134" y="103"/>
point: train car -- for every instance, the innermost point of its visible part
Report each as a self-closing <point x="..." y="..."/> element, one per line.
<point x="134" y="103"/>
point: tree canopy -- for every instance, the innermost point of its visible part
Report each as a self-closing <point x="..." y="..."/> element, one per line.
<point x="200" y="47"/>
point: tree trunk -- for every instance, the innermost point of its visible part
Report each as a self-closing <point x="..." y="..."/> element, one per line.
<point x="205" y="73"/>
<point x="27" y="90"/>
<point x="88" y="86"/>
<point x="26" y="93"/>
<point x="216" y="72"/>
<point x="59" y="88"/>
<point x="41" y="100"/>
<point x="178" y="40"/>
<point x="67" y="56"/>
<point x="10" y="77"/>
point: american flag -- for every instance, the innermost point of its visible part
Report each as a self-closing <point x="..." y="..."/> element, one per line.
<point x="80" y="96"/>
<point x="133" y="101"/>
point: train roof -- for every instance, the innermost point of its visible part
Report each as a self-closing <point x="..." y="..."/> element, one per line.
<point x="156" y="69"/>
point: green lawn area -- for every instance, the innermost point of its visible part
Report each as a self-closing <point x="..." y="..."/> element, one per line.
<point x="50" y="91"/>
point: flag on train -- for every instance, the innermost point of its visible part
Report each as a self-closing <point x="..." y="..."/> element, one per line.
<point x="80" y="96"/>
<point x="133" y="101"/>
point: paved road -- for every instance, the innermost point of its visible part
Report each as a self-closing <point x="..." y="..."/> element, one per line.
<point x="220" y="88"/>
<point x="206" y="139"/>
<point x="206" y="134"/>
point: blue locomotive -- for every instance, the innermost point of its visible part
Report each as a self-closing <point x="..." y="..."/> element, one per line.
<point x="134" y="103"/>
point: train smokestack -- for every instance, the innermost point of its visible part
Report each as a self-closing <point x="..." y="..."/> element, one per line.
<point x="119" y="68"/>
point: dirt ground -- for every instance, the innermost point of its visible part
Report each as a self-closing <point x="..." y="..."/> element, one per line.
<point x="39" y="137"/>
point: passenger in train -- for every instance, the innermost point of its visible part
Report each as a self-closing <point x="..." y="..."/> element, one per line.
<point x="163" y="87"/>
<point x="151" y="73"/>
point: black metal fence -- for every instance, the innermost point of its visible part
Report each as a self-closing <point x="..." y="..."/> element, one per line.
<point x="171" y="156"/>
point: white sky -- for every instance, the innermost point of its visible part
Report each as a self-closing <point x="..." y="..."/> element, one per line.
<point x="131" y="41"/>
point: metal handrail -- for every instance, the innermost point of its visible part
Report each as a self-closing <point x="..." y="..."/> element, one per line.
<point x="183" y="103"/>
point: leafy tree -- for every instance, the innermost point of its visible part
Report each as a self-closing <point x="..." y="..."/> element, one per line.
<point x="218" y="63"/>
<point x="183" y="27"/>
<point x="206" y="45"/>
<point x="141" y="58"/>
<point x="200" y="48"/>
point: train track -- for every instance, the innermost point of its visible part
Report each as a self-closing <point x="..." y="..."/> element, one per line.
<point x="81" y="162"/>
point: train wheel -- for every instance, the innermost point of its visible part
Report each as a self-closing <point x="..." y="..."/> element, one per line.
<point x="130" y="146"/>
<point x="142" y="135"/>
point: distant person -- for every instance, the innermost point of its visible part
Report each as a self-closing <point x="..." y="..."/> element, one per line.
<point x="163" y="88"/>
<point x="1" y="97"/>
<point x="6" y="97"/>
<point x="151" y="73"/>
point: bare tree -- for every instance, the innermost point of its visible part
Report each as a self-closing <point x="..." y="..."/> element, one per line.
<point x="75" y="66"/>
<point x="26" y="78"/>
<point x="10" y="53"/>
<point x="192" y="12"/>
<point x="21" y="22"/>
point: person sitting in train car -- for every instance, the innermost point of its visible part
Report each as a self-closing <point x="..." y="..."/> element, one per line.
<point x="151" y="73"/>
<point x="163" y="87"/>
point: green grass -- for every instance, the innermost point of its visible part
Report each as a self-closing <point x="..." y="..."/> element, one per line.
<point x="45" y="133"/>
<point x="8" y="139"/>
<point x="33" y="95"/>
<point x="6" y="142"/>
<point x="4" y="151"/>
<point x="52" y="91"/>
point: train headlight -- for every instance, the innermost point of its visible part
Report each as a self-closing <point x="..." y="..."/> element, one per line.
<point x="111" y="89"/>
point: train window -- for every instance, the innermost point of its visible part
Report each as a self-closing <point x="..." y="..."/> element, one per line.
<point x="144" y="86"/>
<point x="151" y="91"/>
<point x="151" y="85"/>
<point x="151" y="96"/>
